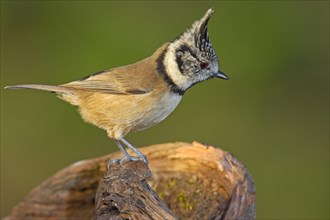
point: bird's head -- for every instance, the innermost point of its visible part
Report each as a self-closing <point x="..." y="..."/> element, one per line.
<point x="190" y="58"/>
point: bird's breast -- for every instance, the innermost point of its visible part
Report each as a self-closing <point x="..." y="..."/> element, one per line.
<point x="160" y="109"/>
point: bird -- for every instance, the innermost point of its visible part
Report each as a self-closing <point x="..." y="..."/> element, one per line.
<point x="138" y="96"/>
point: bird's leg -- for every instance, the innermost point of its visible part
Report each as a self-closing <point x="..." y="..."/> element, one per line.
<point x="138" y="153"/>
<point x="127" y="157"/>
<point x="123" y="150"/>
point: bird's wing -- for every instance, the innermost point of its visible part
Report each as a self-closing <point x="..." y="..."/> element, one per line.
<point x="104" y="87"/>
<point x="139" y="78"/>
<point x="115" y="81"/>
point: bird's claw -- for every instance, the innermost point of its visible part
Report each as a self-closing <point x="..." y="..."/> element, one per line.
<point x="133" y="158"/>
<point x="128" y="158"/>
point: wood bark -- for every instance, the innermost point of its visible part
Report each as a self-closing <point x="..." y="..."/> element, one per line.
<point x="193" y="180"/>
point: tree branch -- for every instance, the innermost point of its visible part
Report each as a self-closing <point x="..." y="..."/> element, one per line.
<point x="195" y="181"/>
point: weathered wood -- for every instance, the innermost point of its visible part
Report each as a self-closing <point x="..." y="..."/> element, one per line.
<point x="194" y="180"/>
<point x="123" y="193"/>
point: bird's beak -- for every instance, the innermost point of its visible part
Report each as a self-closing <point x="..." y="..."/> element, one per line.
<point x="221" y="75"/>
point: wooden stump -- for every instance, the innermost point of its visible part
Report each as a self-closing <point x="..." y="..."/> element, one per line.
<point x="194" y="181"/>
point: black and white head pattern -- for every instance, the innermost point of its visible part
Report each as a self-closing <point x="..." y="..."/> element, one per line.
<point x="190" y="58"/>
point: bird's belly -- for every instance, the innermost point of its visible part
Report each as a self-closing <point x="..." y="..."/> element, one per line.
<point x="120" y="114"/>
<point x="158" y="111"/>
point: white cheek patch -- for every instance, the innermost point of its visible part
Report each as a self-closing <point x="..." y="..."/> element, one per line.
<point x="173" y="71"/>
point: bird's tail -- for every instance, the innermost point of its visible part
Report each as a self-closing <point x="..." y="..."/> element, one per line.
<point x="57" y="89"/>
<point x="65" y="93"/>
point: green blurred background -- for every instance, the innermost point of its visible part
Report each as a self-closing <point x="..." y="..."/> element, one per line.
<point x="273" y="114"/>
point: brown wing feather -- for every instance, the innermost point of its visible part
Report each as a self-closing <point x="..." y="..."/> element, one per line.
<point x="109" y="82"/>
<point x="137" y="78"/>
<point x="104" y="87"/>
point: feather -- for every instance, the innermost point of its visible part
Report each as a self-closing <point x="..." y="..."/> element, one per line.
<point x="50" y="88"/>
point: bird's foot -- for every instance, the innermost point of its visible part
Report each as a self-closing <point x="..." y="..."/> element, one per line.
<point x="133" y="158"/>
<point x="128" y="158"/>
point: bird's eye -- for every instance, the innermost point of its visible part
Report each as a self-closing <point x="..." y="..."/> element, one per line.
<point x="203" y="65"/>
